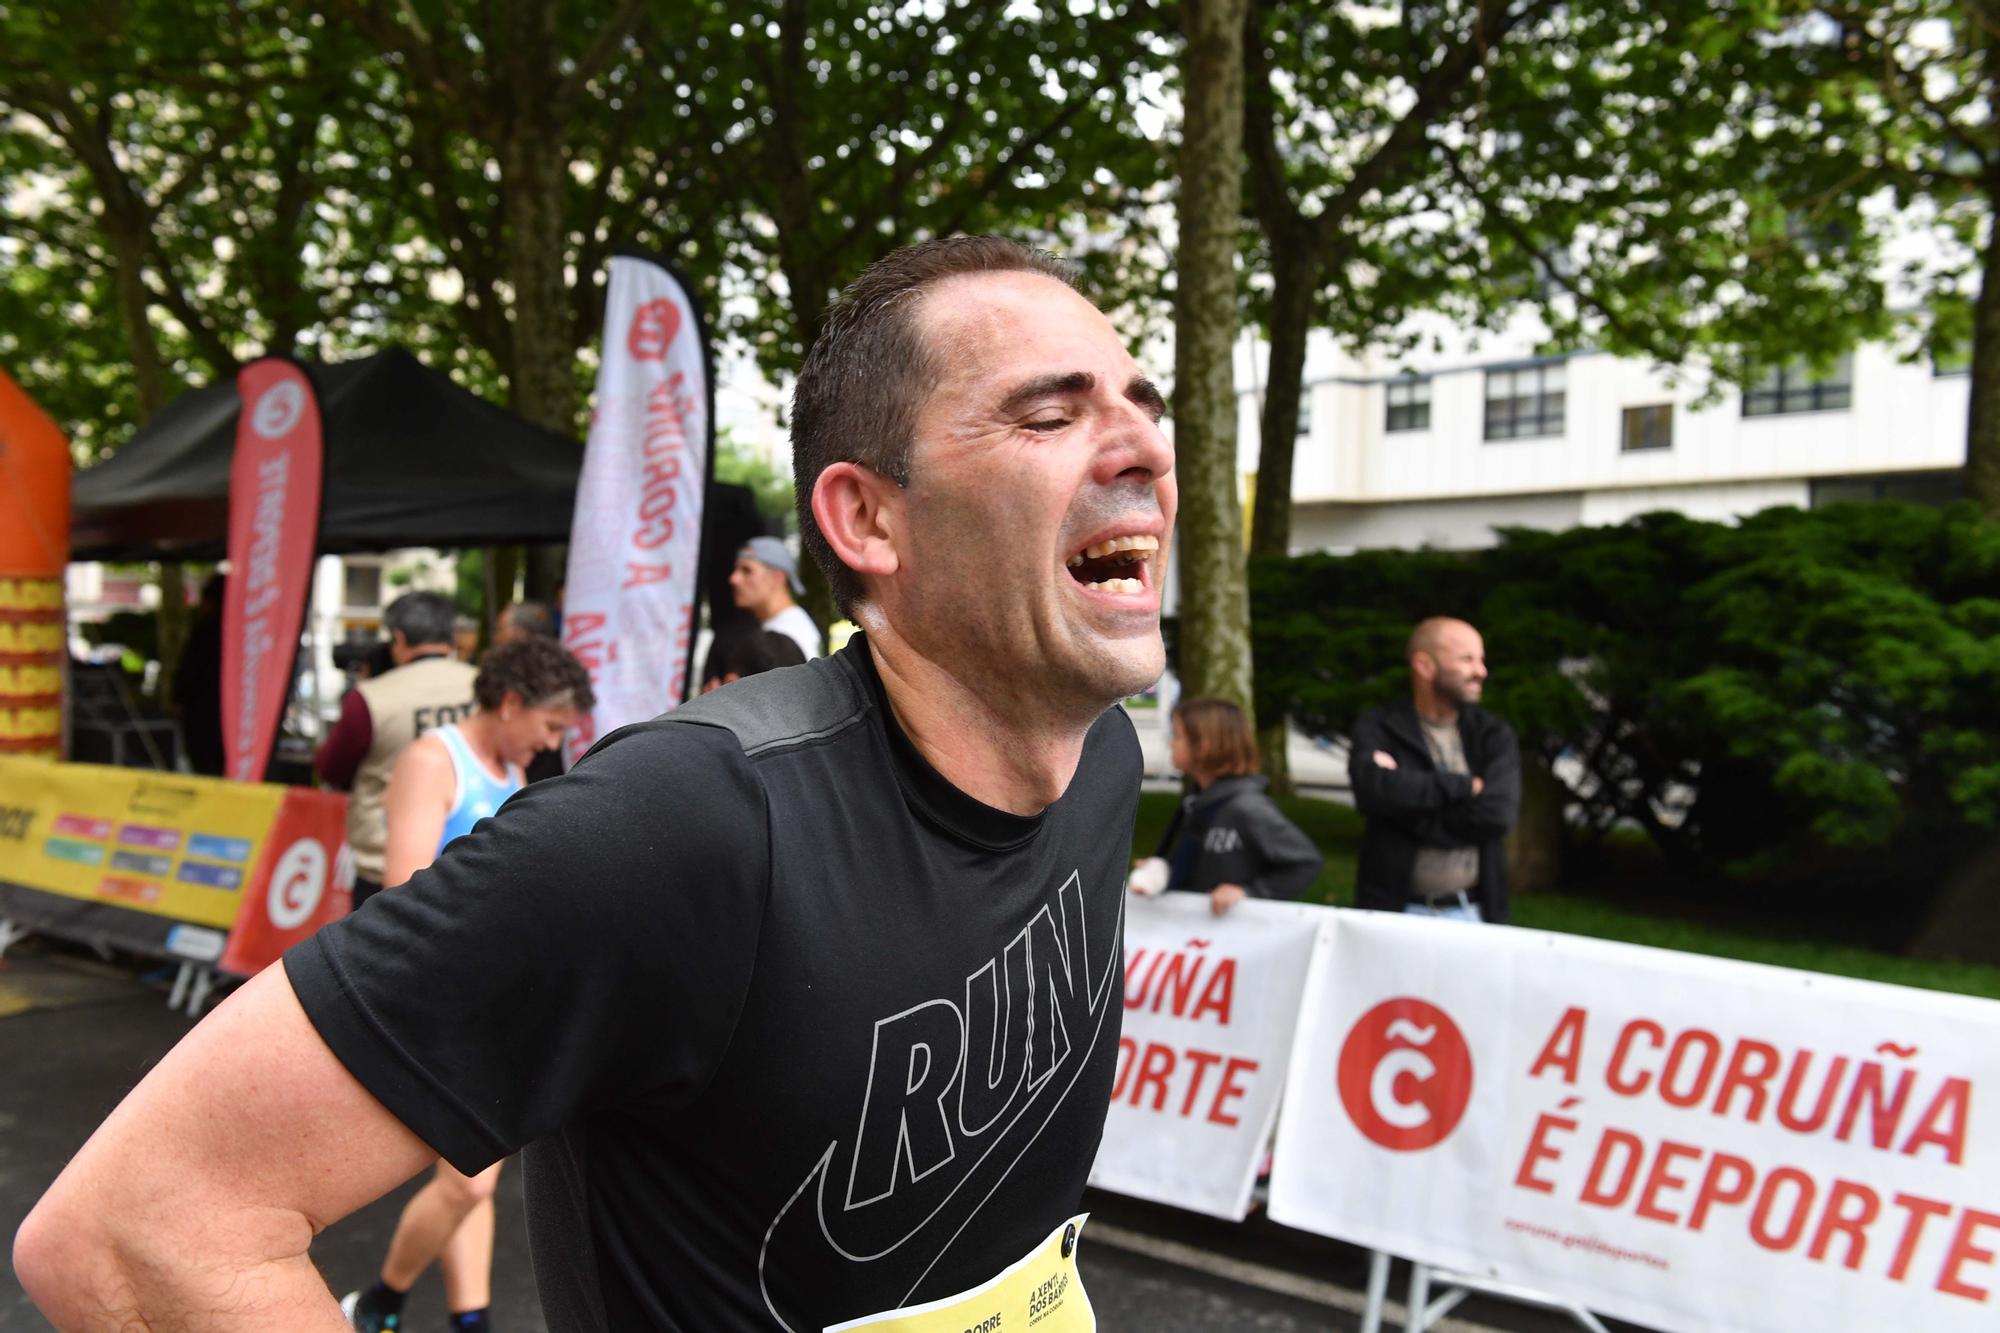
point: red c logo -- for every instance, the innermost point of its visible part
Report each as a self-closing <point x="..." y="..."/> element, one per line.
<point x="1405" y="1075"/>
<point x="654" y="325"/>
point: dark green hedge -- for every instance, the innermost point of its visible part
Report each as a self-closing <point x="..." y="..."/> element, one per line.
<point x="1782" y="693"/>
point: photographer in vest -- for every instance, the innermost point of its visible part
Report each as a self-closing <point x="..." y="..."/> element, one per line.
<point x="428" y="688"/>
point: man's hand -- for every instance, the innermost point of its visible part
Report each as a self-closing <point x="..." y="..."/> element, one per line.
<point x="1225" y="896"/>
<point x="1478" y="784"/>
<point x="1383" y="759"/>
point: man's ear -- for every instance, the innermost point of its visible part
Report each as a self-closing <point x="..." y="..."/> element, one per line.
<point x="860" y="513"/>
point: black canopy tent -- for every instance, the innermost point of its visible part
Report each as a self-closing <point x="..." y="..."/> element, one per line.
<point x="411" y="460"/>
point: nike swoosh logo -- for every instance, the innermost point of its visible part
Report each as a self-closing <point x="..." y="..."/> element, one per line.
<point x="998" y="1140"/>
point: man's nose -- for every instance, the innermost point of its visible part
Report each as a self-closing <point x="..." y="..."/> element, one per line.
<point x="1134" y="444"/>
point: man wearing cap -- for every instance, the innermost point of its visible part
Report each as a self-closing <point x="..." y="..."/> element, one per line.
<point x="764" y="582"/>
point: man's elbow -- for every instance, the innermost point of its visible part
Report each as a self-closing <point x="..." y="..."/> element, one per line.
<point x="66" y="1265"/>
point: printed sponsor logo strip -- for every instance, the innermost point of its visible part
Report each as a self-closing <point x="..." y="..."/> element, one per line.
<point x="78" y="853"/>
<point x="82" y="826"/>
<point x="215" y="848"/>
<point x="139" y="863"/>
<point x="127" y="889"/>
<point x="148" y="835"/>
<point x="210" y="877"/>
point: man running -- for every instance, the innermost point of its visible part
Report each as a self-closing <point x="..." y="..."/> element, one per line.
<point x="804" y="997"/>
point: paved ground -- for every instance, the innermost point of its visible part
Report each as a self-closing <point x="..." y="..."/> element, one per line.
<point x="76" y="1034"/>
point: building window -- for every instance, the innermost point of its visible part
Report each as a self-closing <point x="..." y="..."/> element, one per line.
<point x="1410" y="403"/>
<point x="1794" y="389"/>
<point x="1649" y="427"/>
<point x="1525" y="402"/>
<point x="1305" y="422"/>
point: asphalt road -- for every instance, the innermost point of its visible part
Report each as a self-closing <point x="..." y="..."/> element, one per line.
<point x="76" y="1034"/>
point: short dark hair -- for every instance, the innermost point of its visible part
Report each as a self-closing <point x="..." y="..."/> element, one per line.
<point x="422" y="617"/>
<point x="541" y="671"/>
<point x="1219" y="740"/>
<point x="532" y="618"/>
<point x="765" y="650"/>
<point x="871" y="369"/>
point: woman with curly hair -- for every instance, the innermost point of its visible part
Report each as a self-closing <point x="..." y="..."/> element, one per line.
<point x="528" y="693"/>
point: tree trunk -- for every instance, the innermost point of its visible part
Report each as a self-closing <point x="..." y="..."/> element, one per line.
<point x="1295" y="278"/>
<point x="126" y="235"/>
<point x="1214" y="609"/>
<point x="544" y="382"/>
<point x="795" y="202"/>
<point x="1982" y="427"/>
<point x="1535" y="847"/>
<point x="149" y="375"/>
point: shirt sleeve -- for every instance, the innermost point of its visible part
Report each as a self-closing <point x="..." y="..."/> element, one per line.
<point x="1287" y="861"/>
<point x="589" y="946"/>
<point x="341" y="753"/>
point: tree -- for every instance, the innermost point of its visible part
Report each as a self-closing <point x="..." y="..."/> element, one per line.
<point x="1655" y="179"/>
<point x="738" y="466"/>
<point x="169" y="157"/>
<point x="858" y="128"/>
<point x="1214" y="621"/>
<point x="1925" y="75"/>
<point x="487" y="160"/>
<point x="1800" y="695"/>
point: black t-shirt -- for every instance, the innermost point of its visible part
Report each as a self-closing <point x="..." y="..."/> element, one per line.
<point x="797" y="1031"/>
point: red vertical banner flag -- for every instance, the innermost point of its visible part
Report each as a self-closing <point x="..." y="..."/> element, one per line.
<point x="274" y="509"/>
<point x="629" y="604"/>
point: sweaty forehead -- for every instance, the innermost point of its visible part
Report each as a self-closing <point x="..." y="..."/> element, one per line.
<point x="977" y="318"/>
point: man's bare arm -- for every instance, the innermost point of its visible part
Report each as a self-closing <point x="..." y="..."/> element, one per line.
<point x="194" y="1203"/>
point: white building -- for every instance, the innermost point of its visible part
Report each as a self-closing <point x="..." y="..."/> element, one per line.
<point x="1439" y="450"/>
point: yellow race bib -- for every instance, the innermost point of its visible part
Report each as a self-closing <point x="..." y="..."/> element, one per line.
<point x="1040" y="1291"/>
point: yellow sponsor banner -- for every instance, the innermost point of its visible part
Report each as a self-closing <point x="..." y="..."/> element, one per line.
<point x="18" y="594"/>
<point x="22" y="724"/>
<point x="22" y="638"/>
<point x="181" y="847"/>
<point x="29" y="682"/>
<point x="1041" y="1291"/>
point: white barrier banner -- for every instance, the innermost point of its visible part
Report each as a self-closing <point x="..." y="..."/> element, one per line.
<point x="1210" y="1003"/>
<point x="1678" y="1140"/>
<point x="635" y="543"/>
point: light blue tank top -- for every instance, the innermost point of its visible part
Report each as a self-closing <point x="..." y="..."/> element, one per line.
<point x="479" y="792"/>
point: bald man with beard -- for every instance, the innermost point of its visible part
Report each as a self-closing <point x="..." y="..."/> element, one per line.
<point x="1439" y="779"/>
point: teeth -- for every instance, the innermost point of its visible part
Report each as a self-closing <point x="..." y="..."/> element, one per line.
<point x="1128" y="587"/>
<point x="1098" y="550"/>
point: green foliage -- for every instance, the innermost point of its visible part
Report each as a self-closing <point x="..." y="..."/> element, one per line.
<point x="1678" y="179"/>
<point x="1776" y="695"/>
<point x="773" y="489"/>
<point x="191" y="183"/>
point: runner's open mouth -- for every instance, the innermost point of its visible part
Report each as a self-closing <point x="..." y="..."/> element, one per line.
<point x="1116" y="564"/>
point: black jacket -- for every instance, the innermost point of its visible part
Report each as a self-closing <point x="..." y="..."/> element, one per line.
<point x="1232" y="833"/>
<point x="1417" y="804"/>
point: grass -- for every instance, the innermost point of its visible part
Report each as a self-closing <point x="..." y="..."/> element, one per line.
<point x="1336" y="829"/>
